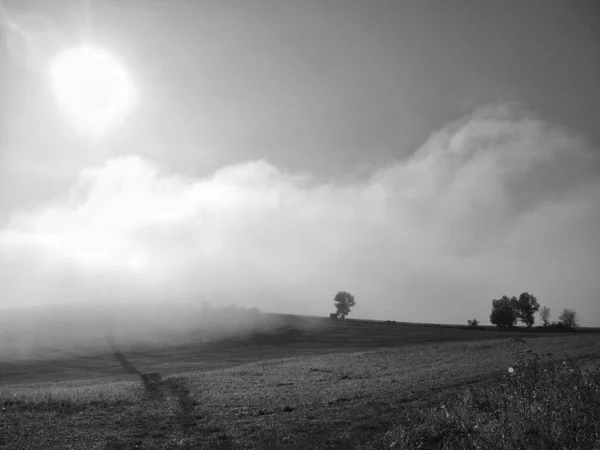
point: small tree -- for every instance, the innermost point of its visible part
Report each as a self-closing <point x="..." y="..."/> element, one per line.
<point x="343" y="301"/>
<point x="569" y="318"/>
<point x="473" y="323"/>
<point x="526" y="306"/>
<point x="545" y="315"/>
<point x="504" y="313"/>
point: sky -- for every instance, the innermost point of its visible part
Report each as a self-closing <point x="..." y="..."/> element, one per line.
<point x="426" y="156"/>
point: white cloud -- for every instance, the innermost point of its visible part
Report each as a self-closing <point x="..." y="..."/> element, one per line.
<point x="497" y="203"/>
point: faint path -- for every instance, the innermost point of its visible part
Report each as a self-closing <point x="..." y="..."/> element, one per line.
<point x="119" y="357"/>
<point x="186" y="419"/>
<point x="156" y="388"/>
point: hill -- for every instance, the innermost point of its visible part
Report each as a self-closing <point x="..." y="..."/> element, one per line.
<point x="304" y="382"/>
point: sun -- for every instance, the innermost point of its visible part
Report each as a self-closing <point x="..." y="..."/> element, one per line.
<point x="92" y="88"/>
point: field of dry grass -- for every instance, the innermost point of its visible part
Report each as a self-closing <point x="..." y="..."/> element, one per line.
<point x="344" y="385"/>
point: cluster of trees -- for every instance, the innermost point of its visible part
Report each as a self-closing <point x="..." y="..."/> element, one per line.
<point x="507" y="311"/>
<point x="343" y="302"/>
<point x="567" y="318"/>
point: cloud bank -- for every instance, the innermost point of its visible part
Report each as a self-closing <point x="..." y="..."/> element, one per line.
<point x="497" y="203"/>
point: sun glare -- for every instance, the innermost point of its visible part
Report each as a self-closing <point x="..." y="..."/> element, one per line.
<point x="93" y="89"/>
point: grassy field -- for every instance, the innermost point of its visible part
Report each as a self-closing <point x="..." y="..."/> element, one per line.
<point x="309" y="383"/>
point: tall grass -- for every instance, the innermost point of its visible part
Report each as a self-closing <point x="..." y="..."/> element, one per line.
<point x="70" y="398"/>
<point x="540" y="403"/>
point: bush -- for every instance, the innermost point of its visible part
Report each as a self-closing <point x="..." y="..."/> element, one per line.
<point x="473" y="323"/>
<point x="556" y="327"/>
<point x="539" y="403"/>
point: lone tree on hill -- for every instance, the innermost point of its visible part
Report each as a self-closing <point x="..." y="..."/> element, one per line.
<point x="526" y="306"/>
<point x="545" y="315"/>
<point x="504" y="313"/>
<point x="569" y="318"/>
<point x="343" y="301"/>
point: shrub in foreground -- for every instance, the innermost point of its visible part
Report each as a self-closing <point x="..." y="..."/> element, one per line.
<point x="540" y="403"/>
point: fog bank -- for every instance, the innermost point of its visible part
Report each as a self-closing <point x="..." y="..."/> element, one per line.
<point x="499" y="202"/>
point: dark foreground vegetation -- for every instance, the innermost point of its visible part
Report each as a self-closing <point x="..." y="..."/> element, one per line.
<point x="540" y="403"/>
<point x="345" y="384"/>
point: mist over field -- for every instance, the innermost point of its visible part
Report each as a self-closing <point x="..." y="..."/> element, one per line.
<point x="499" y="202"/>
<point x="285" y="224"/>
<point x="89" y="328"/>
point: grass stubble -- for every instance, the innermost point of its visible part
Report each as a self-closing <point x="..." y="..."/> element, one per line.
<point x="426" y="396"/>
<point x="540" y="403"/>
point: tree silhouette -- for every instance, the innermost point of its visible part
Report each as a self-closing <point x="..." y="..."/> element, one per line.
<point x="526" y="306"/>
<point x="343" y="302"/>
<point x="504" y="312"/>
<point x="545" y="315"/>
<point x="569" y="318"/>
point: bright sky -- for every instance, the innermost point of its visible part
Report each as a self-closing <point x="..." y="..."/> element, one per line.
<point x="428" y="157"/>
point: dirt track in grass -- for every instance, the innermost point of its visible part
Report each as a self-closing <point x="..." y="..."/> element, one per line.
<point x="330" y="387"/>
